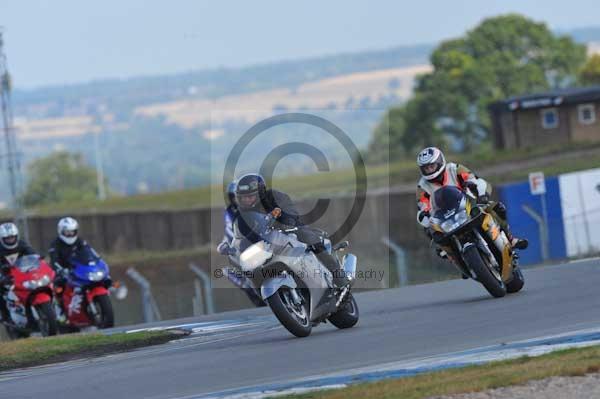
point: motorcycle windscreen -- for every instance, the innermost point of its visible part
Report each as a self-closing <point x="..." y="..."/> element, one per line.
<point x="250" y="227"/>
<point x="28" y="263"/>
<point x="85" y="255"/>
<point x="447" y="201"/>
<point x="88" y="266"/>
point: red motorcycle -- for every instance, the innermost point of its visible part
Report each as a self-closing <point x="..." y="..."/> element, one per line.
<point x="29" y="298"/>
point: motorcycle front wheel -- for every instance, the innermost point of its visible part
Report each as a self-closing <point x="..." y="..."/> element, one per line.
<point x="105" y="316"/>
<point x="493" y="284"/>
<point x="294" y="317"/>
<point x="46" y="319"/>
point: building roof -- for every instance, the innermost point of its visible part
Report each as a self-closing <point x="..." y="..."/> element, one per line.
<point x="553" y="98"/>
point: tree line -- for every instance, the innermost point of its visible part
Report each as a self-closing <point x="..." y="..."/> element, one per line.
<point x="503" y="56"/>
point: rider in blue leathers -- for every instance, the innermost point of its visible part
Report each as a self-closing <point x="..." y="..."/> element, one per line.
<point x="231" y="212"/>
<point x="224" y="247"/>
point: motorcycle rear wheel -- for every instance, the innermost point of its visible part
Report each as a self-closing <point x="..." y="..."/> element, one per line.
<point x="494" y="286"/>
<point x="47" y="319"/>
<point x="517" y="283"/>
<point x="293" y="317"/>
<point x="347" y="315"/>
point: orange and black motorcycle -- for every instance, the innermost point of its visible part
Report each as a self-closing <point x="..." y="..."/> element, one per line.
<point x="474" y="241"/>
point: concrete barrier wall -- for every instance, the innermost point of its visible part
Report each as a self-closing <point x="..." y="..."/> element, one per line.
<point x="182" y="229"/>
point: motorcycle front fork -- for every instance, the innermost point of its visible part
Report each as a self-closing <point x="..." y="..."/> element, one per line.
<point x="93" y="311"/>
<point x="296" y="299"/>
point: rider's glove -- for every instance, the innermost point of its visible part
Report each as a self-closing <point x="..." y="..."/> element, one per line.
<point x="423" y="218"/>
<point x="62" y="276"/>
<point x="472" y="187"/>
<point x="223" y="248"/>
<point x="483" y="199"/>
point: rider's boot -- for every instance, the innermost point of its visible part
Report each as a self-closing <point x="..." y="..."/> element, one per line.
<point x="332" y="264"/>
<point x="501" y="216"/>
<point x="234" y="276"/>
<point x="4" y="313"/>
<point x="441" y="253"/>
<point x="58" y="309"/>
<point x="517" y="243"/>
<point x="444" y="255"/>
<point x="4" y="316"/>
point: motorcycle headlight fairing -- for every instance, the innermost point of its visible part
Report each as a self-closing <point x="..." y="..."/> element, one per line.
<point x="33" y="284"/>
<point x="255" y="255"/>
<point x="96" y="276"/>
<point x="455" y="221"/>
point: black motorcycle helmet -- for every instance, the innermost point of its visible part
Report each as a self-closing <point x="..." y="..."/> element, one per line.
<point x="231" y="187"/>
<point x="250" y="190"/>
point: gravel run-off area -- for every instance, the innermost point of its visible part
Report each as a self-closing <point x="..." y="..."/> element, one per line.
<point x="586" y="387"/>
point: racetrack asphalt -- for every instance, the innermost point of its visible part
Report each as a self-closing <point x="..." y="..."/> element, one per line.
<point x="396" y="324"/>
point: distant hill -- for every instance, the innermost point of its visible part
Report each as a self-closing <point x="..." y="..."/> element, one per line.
<point x="169" y="117"/>
<point x="215" y="83"/>
<point x="161" y="132"/>
<point x="585" y="35"/>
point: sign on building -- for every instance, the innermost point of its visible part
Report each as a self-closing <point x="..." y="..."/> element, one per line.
<point x="537" y="183"/>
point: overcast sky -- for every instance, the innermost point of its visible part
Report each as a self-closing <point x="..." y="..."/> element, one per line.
<point x="59" y="41"/>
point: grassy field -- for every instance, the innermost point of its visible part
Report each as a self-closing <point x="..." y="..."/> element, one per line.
<point x="552" y="161"/>
<point x="574" y="362"/>
<point x="37" y="351"/>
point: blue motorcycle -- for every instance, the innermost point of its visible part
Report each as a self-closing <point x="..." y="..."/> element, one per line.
<point x="86" y="296"/>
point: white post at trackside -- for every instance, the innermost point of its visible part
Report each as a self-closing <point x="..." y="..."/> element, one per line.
<point x="537" y="186"/>
<point x="206" y="289"/>
<point x="149" y="305"/>
<point x="542" y="229"/>
<point x="99" y="168"/>
<point x="546" y="237"/>
<point x="400" y="260"/>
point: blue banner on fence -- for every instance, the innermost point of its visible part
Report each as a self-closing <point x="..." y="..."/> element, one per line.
<point x="517" y="199"/>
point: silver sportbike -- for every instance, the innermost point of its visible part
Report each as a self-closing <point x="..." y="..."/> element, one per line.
<point x="298" y="288"/>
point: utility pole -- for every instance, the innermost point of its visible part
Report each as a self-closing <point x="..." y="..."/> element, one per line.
<point x="99" y="166"/>
<point x="11" y="154"/>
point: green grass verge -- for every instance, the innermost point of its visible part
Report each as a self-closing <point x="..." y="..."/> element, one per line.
<point x="573" y="362"/>
<point x="37" y="351"/>
<point x="399" y="171"/>
<point x="557" y="168"/>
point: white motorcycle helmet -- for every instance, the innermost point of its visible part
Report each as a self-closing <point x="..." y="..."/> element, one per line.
<point x="9" y="235"/>
<point x="67" y="230"/>
<point x="431" y="162"/>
